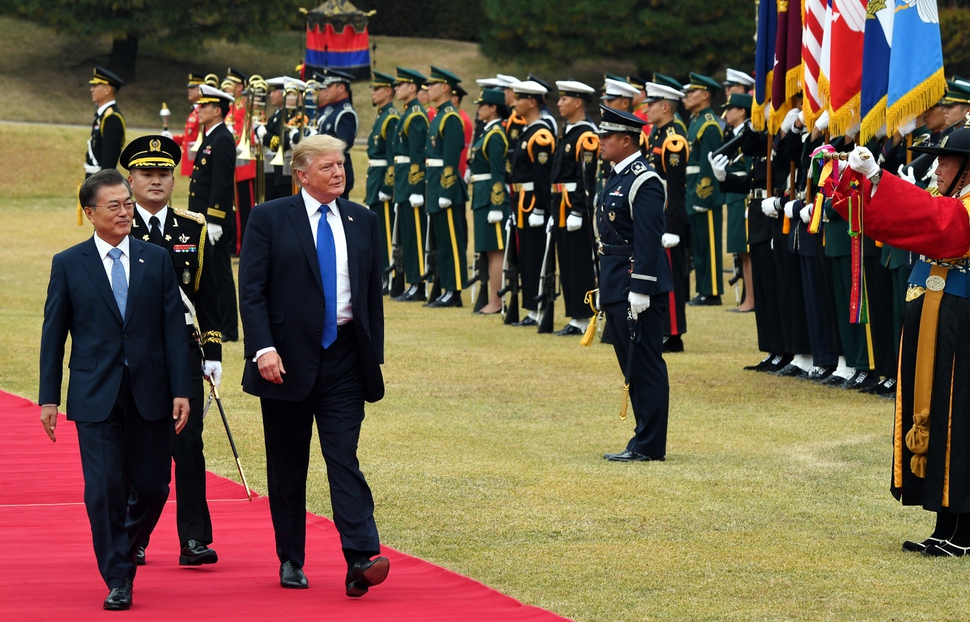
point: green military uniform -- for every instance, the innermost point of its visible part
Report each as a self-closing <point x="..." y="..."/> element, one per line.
<point x="409" y="153"/>
<point x="488" y="165"/>
<point x="446" y="193"/>
<point x="707" y="224"/>
<point x="380" y="169"/>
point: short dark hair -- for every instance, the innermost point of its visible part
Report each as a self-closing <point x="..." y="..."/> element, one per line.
<point x="110" y="177"/>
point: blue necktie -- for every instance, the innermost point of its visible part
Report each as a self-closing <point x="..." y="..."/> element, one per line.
<point x="327" y="258"/>
<point x="119" y="284"/>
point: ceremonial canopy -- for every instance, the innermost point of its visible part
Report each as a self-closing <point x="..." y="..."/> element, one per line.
<point x="336" y="37"/>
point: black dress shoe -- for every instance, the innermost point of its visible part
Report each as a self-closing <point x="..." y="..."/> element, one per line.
<point x="946" y="549"/>
<point x="119" y="598"/>
<point x="778" y="363"/>
<point x="760" y="366"/>
<point x="632" y="456"/>
<point x="292" y="577"/>
<point x="527" y="321"/>
<point x="447" y="299"/>
<point x="366" y="573"/>
<point x="886" y="389"/>
<point x="818" y="374"/>
<point x="790" y="371"/>
<point x="834" y="381"/>
<point x="673" y="344"/>
<point x="863" y="380"/>
<point x="415" y="296"/>
<point x="570" y="329"/>
<point x="139" y="558"/>
<point x="194" y="553"/>
<point x="705" y="301"/>
<point x="918" y="547"/>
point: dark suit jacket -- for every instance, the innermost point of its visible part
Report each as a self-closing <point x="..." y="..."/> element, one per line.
<point x="281" y="299"/>
<point x="212" y="189"/>
<point x="151" y="336"/>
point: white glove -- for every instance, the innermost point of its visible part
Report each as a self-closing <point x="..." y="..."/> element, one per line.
<point x="215" y="232"/>
<point x="805" y="214"/>
<point x="260" y="132"/>
<point x="906" y="174"/>
<point x="293" y="134"/>
<point x="861" y="161"/>
<point x="444" y="203"/>
<point x="701" y="210"/>
<point x="669" y="240"/>
<point x="537" y="218"/>
<point x="799" y="121"/>
<point x="494" y="216"/>
<point x="718" y="165"/>
<point x="167" y="134"/>
<point x="907" y="128"/>
<point x="468" y="175"/>
<point x="573" y="222"/>
<point x="638" y="303"/>
<point x="822" y="122"/>
<point x="790" y="209"/>
<point x="416" y="200"/>
<point x="789" y="120"/>
<point x="931" y="172"/>
<point x="91" y="169"/>
<point x="383" y="197"/>
<point x="769" y="208"/>
<point x="213" y="371"/>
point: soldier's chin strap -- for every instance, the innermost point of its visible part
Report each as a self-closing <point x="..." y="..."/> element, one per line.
<point x="960" y="180"/>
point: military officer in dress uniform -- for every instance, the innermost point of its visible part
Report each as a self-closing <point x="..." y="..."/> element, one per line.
<point x="705" y="204"/>
<point x="573" y="190"/>
<point x="515" y="123"/>
<point x="409" y="164"/>
<point x="490" y="200"/>
<point x="634" y="279"/>
<point x="211" y="193"/>
<point x="737" y="82"/>
<point x="667" y="152"/>
<point x="187" y="139"/>
<point x="544" y="111"/>
<point x="338" y="118"/>
<point x="150" y="161"/>
<point x="737" y="111"/>
<point x="108" y="129"/>
<point x="618" y="94"/>
<point x="380" y="158"/>
<point x="530" y="163"/>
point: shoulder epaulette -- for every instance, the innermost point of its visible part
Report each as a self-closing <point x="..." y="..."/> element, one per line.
<point x="417" y="112"/>
<point x="184" y="213"/>
<point x="588" y="142"/>
<point x="387" y="120"/>
<point x="496" y="129"/>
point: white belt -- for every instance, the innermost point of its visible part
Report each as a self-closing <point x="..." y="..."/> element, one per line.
<point x="527" y="187"/>
<point x="566" y="187"/>
<point x="434" y="162"/>
<point x="377" y="162"/>
<point x="402" y="160"/>
<point x="481" y="177"/>
<point x="693" y="170"/>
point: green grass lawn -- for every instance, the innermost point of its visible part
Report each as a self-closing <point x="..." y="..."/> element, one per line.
<point x="485" y="456"/>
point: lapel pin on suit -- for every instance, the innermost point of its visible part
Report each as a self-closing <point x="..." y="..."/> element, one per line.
<point x="350" y="218"/>
<point x="141" y="261"/>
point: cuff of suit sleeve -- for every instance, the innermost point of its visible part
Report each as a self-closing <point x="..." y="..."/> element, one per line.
<point x="261" y="352"/>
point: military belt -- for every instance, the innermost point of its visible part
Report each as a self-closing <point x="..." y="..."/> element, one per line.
<point x="567" y="187"/>
<point x="759" y="193"/>
<point x="693" y="170"/>
<point x="402" y="160"/>
<point x="481" y="177"/>
<point x="523" y="187"/>
<point x="434" y="162"/>
<point x="377" y="162"/>
<point x="614" y="249"/>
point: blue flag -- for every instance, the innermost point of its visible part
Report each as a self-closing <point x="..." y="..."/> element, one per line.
<point x="764" y="61"/>
<point x="875" y="67"/>
<point x="916" y="79"/>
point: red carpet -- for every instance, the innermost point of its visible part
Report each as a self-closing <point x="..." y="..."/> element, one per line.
<point x="48" y="570"/>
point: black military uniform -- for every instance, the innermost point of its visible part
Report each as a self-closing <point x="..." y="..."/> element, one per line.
<point x="107" y="130"/>
<point x="339" y="119"/>
<point x="183" y="234"/>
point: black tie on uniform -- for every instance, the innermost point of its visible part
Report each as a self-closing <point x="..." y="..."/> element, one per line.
<point x="154" y="231"/>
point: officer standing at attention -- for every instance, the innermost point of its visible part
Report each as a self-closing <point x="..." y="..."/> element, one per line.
<point x="211" y="193"/>
<point x="191" y="134"/>
<point x="737" y="82"/>
<point x="108" y="129"/>
<point x="634" y="279"/>
<point x="446" y="193"/>
<point x="338" y="118"/>
<point x="150" y="161"/>
<point x="705" y="204"/>
<point x="380" y="155"/>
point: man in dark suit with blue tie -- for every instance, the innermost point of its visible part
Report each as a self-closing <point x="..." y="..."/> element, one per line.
<point x="118" y="298"/>
<point x="313" y="319"/>
<point x="634" y="275"/>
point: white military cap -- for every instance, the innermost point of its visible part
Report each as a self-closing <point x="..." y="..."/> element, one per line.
<point x="528" y="87"/>
<point x="489" y="83"/>
<point x="572" y="88"/>
<point x="616" y="88"/>
<point x="505" y="81"/>
<point x="656" y="92"/>
<point x="738" y="77"/>
<point x="294" y="84"/>
<point x="212" y="95"/>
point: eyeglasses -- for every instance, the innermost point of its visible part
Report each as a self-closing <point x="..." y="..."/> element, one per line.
<point x="114" y="207"/>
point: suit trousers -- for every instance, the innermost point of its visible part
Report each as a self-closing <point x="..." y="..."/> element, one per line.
<point x="336" y="402"/>
<point x="643" y="360"/>
<point x="127" y="464"/>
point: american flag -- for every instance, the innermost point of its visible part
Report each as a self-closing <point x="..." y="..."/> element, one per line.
<point x="812" y="32"/>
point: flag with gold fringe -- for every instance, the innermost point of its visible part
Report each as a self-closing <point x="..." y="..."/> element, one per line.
<point x="916" y="79"/>
<point x="764" y="62"/>
<point x="876" y="53"/>
<point x="786" y="71"/>
<point x="845" y="78"/>
<point x="812" y="31"/>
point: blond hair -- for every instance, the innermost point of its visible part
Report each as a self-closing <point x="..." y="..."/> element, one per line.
<point x="312" y="146"/>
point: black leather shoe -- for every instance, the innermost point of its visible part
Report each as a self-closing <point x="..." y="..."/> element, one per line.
<point x="864" y="379"/>
<point x="834" y="381"/>
<point x="366" y="573"/>
<point x="527" y="321"/>
<point x="119" y="598"/>
<point x="886" y="389"/>
<point x="818" y="374"/>
<point x="292" y="577"/>
<point x="570" y="329"/>
<point x="447" y="299"/>
<point x="674" y="344"/>
<point x="760" y="366"/>
<point x="918" y="547"/>
<point x="415" y="296"/>
<point x="194" y="553"/>
<point x="790" y="371"/>
<point x="778" y="363"/>
<point x="946" y="549"/>
<point x="631" y="456"/>
<point x="705" y="301"/>
<point x="140" y="556"/>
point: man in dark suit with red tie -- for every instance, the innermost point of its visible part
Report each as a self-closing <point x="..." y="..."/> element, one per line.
<point x="313" y="319"/>
<point x="119" y="300"/>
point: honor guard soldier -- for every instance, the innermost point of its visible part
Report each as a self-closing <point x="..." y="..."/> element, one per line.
<point x="245" y="164"/>
<point x="663" y="80"/>
<point x="704" y="200"/>
<point x="634" y="279"/>
<point x="150" y="161"/>
<point x="737" y="111"/>
<point x="188" y="138"/>
<point x="573" y="189"/>
<point x="211" y="193"/>
<point x="490" y="200"/>
<point x="515" y="123"/>
<point x="668" y="154"/>
<point x="457" y="96"/>
<point x="380" y="157"/>
<point x="618" y="94"/>
<point x="530" y="163"/>
<point x="108" y="129"/>
<point x="276" y="141"/>
<point x="338" y="118"/>
<point x="544" y="111"/>
<point x="446" y="193"/>
<point x="409" y="155"/>
<point x="737" y="82"/>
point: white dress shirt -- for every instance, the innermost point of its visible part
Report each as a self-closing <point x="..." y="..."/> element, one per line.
<point x="625" y="162"/>
<point x="108" y="262"/>
<point x="344" y="312"/>
<point x="147" y="216"/>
